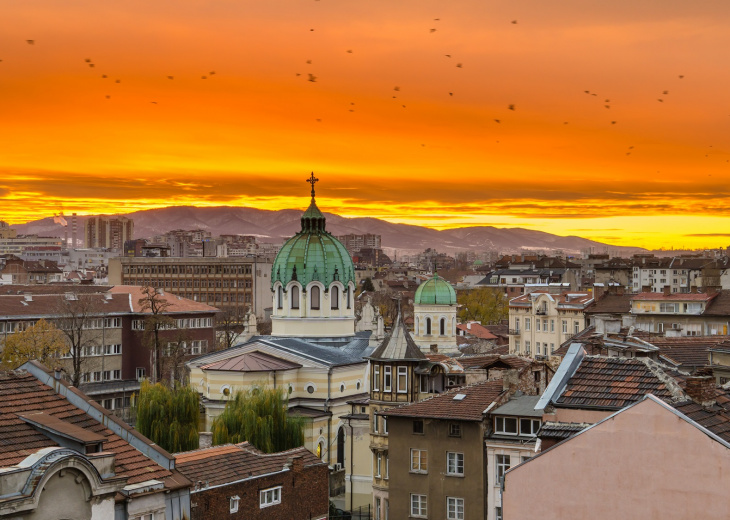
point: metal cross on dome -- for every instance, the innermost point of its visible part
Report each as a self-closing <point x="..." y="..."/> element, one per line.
<point x="312" y="179"/>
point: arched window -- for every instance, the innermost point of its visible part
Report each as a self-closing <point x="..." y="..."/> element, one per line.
<point x="320" y="449"/>
<point x="335" y="297"/>
<point x="349" y="306"/>
<point x="442" y="327"/>
<point x="416" y="328"/>
<point x="295" y="297"/>
<point x="279" y="298"/>
<point x="428" y="326"/>
<point x="315" y="297"/>
<point x="341" y="447"/>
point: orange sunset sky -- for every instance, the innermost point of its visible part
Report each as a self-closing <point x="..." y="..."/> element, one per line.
<point x="392" y="126"/>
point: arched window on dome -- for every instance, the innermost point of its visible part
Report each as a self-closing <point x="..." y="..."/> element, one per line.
<point x="428" y="326"/>
<point x="295" y="297"/>
<point x="279" y="298"/>
<point x="334" y="297"/>
<point x="442" y="326"/>
<point x="315" y="297"/>
<point x="416" y="328"/>
<point x="347" y="292"/>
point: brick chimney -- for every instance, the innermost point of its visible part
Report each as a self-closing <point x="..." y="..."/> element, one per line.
<point x="701" y="387"/>
<point x="667" y="290"/>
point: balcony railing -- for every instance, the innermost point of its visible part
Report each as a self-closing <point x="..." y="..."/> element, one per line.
<point x="514" y="332"/>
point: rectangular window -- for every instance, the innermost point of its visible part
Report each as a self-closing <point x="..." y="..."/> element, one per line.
<point x="418" y="426"/>
<point x="527" y="347"/>
<point x="402" y="380"/>
<point x="454" y="464"/>
<point x="424" y="384"/>
<point x="377" y="508"/>
<point x="385" y="425"/>
<point x="537" y="325"/>
<point x="376" y="377"/>
<point x="140" y="373"/>
<point x="418" y="506"/>
<point x="387" y="461"/>
<point x="234" y="504"/>
<point x="419" y="461"/>
<point x="527" y="323"/>
<point x="544" y="325"/>
<point x="502" y="465"/>
<point x="387" y="377"/>
<point x="565" y="326"/>
<point x="117" y="374"/>
<point x="552" y="325"/>
<point x="376" y="420"/>
<point x="497" y="513"/>
<point x="454" y="508"/>
<point x="378" y="464"/>
<point x="269" y="497"/>
<point x="576" y="327"/>
<point x="505" y="425"/>
<point x="529" y="427"/>
<point x="454" y="430"/>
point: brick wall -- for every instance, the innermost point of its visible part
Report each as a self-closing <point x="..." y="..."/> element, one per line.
<point x="304" y="495"/>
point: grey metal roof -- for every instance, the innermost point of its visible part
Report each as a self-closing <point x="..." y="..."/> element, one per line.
<point x="523" y="405"/>
<point x="354" y="351"/>
<point x="398" y="345"/>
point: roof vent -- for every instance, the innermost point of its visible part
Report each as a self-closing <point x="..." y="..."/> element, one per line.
<point x="459" y="397"/>
<point x="28" y="296"/>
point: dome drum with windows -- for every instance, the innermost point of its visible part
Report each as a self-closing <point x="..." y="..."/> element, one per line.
<point x="313" y="281"/>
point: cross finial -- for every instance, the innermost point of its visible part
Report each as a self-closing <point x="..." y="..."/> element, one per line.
<point x="312" y="179"/>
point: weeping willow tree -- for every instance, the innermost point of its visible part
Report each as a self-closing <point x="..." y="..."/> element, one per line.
<point x="259" y="416"/>
<point x="168" y="417"/>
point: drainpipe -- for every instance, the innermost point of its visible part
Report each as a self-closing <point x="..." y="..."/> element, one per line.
<point x="352" y="444"/>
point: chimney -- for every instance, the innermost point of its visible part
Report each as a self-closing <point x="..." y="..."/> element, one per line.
<point x="468" y="325"/>
<point x="108" y="295"/>
<point x="434" y="348"/>
<point x="701" y="388"/>
<point x="646" y="288"/>
<point x="205" y="440"/>
<point x="599" y="290"/>
<point x="667" y="290"/>
<point x="693" y="290"/>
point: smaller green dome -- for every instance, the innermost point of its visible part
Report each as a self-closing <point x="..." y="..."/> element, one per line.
<point x="435" y="291"/>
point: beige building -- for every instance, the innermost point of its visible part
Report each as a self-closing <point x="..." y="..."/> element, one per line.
<point x="541" y="321"/>
<point x="685" y="314"/>
<point x="108" y="232"/>
<point x="649" y="460"/>
<point x="235" y="285"/>
<point x="6" y="231"/>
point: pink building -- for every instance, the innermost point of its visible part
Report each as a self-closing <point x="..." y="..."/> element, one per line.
<point x="648" y="460"/>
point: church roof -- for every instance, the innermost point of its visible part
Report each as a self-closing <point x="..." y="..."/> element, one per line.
<point x="252" y="362"/>
<point x="313" y="253"/>
<point x="398" y="345"/>
<point x="435" y="291"/>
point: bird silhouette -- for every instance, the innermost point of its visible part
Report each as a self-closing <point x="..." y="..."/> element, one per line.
<point x="349" y="51"/>
<point x="665" y="92"/>
<point x="680" y="77"/>
<point x="497" y="121"/>
<point x="312" y="78"/>
<point x="608" y="101"/>
<point x="660" y="100"/>
<point x="118" y="81"/>
<point x="514" y="21"/>
<point x="153" y="102"/>
<point x="319" y="120"/>
<point x="298" y="74"/>
<point x="459" y="65"/>
<point x="607" y="106"/>
<point x="212" y="72"/>
<point x="613" y="122"/>
<point x="104" y="76"/>
<point x="203" y="77"/>
<point x="108" y="97"/>
<point x="30" y="42"/>
<point x="309" y="62"/>
<point x="397" y="89"/>
<point x="451" y="93"/>
<point x="447" y="55"/>
<point x="587" y="91"/>
<point x="432" y="30"/>
<point x="170" y="77"/>
<point x="91" y="65"/>
<point x="436" y="19"/>
<point x="511" y="107"/>
<point x="88" y="60"/>
<point x="403" y="106"/>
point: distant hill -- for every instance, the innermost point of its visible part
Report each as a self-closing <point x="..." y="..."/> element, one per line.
<point x="276" y="226"/>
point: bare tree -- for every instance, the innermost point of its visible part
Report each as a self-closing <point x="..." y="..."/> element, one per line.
<point x="229" y="327"/>
<point x="74" y="314"/>
<point x="157" y="320"/>
<point x="175" y="354"/>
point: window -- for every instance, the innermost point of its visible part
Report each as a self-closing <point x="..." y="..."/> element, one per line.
<point x="148" y="516"/>
<point x="552" y="325"/>
<point x="279" y="298"/>
<point x="377" y="508"/>
<point x="565" y="326"/>
<point x="376" y="420"/>
<point x="454" y="430"/>
<point x="537" y="325"/>
<point x="347" y="293"/>
<point x="315" y="297"/>
<point x="576" y="327"/>
<point x="418" y="506"/>
<point x="538" y="348"/>
<point x="234" y="504"/>
<point x="385" y="425"/>
<point x="544" y="325"/>
<point x="387" y="378"/>
<point x="424" y="383"/>
<point x="502" y="465"/>
<point x="454" y="464"/>
<point x="428" y="326"/>
<point x="527" y="323"/>
<point x="454" y="508"/>
<point x="117" y="374"/>
<point x="376" y="377"/>
<point x="419" y="461"/>
<point x="378" y="464"/>
<point x="107" y="375"/>
<point x="527" y="347"/>
<point x="668" y="307"/>
<point x="442" y="327"/>
<point x="402" y="380"/>
<point x="517" y="324"/>
<point x="295" y="297"/>
<point x="269" y="497"/>
<point x="418" y="427"/>
<point x="505" y="425"/>
<point x="497" y="513"/>
<point x="335" y="297"/>
<point x="529" y="427"/>
<point x="387" y="460"/>
<point x="140" y="373"/>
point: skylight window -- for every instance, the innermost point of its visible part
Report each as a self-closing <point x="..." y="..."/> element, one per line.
<point x="459" y="397"/>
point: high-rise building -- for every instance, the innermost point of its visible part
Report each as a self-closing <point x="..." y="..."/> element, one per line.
<point x="108" y="232"/>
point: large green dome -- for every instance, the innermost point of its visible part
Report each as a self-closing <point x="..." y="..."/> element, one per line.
<point x="435" y="291"/>
<point x="313" y="254"/>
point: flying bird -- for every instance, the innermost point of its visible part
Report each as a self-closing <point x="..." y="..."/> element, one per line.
<point x="203" y="77"/>
<point x="403" y="106"/>
<point x="103" y="76"/>
<point x="436" y="19"/>
<point x="397" y="89"/>
<point x="30" y="42"/>
<point x="118" y="81"/>
<point x="298" y="74"/>
<point x="349" y="51"/>
<point x="91" y="64"/>
<point x="432" y="30"/>
<point x="607" y="106"/>
<point x="451" y="93"/>
<point x="309" y="62"/>
<point x="665" y="92"/>
<point x="680" y="77"/>
<point x="312" y="78"/>
<point x="108" y="97"/>
<point x="660" y="100"/>
<point x="608" y="101"/>
<point x="447" y="55"/>
<point x="211" y="73"/>
<point x="170" y="77"/>
<point x="514" y="21"/>
<point x="511" y="107"/>
<point x="88" y="60"/>
<point x="153" y="102"/>
<point x="587" y="91"/>
<point x="613" y="122"/>
<point x="497" y="121"/>
<point x="459" y="65"/>
<point x="319" y="120"/>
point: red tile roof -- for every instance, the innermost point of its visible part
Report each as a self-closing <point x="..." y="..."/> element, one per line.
<point x="21" y="392"/>
<point x="478" y="398"/>
<point x="232" y="462"/>
<point x="176" y="303"/>
<point x="715" y="418"/>
<point x="650" y="296"/>
<point x="476" y="329"/>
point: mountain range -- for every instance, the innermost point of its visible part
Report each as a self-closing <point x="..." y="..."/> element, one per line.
<point x="276" y="226"/>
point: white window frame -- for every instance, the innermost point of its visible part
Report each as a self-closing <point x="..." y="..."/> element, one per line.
<point x="419" y="464"/>
<point x="419" y="506"/>
<point x="376" y="378"/>
<point x="454" y="508"/>
<point x="500" y="424"/>
<point x="454" y="464"/>
<point x="269" y="497"/>
<point x="378" y="464"/>
<point x="501" y="465"/>
<point x="402" y="371"/>
<point x="387" y="378"/>
<point x="233" y="503"/>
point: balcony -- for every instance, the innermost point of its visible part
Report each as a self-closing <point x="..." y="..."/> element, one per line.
<point x="514" y="332"/>
<point x="541" y="312"/>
